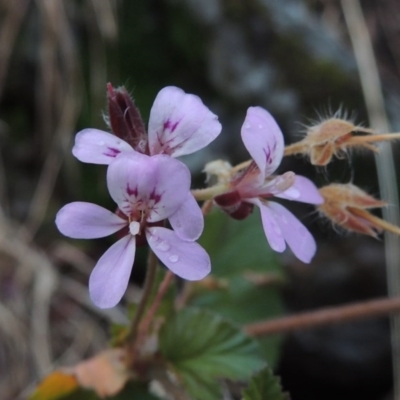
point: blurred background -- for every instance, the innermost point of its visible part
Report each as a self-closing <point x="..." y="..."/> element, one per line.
<point x="292" y="57"/>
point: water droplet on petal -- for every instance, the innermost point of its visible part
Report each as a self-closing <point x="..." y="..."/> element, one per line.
<point x="247" y="126"/>
<point x="101" y="143"/>
<point x="260" y="126"/>
<point x="163" y="246"/>
<point x="173" y="258"/>
<point x="284" y="219"/>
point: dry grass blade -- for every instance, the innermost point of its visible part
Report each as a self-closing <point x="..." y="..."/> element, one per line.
<point x="57" y="96"/>
<point x="106" y="19"/>
<point x="373" y="95"/>
<point x="10" y="28"/>
<point x="44" y="284"/>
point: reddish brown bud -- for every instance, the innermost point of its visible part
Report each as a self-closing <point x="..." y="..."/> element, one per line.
<point x="124" y="118"/>
<point x="346" y="205"/>
<point x="233" y="205"/>
<point x="334" y="136"/>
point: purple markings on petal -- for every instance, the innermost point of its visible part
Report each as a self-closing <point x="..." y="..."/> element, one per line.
<point x="263" y="139"/>
<point x="98" y="147"/>
<point x="157" y="184"/>
<point x="111" y="152"/>
<point x="170" y="126"/>
<point x="131" y="191"/>
<point x="180" y="123"/>
<point x="268" y="151"/>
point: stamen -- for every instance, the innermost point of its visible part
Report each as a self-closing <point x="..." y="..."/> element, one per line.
<point x="134" y="228"/>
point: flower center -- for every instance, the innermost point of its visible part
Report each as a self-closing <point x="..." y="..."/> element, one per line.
<point x="134" y="228"/>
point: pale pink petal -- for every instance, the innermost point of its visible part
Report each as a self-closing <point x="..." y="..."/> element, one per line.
<point x="298" y="238"/>
<point x="158" y="184"/>
<point x="80" y="220"/>
<point x="271" y="228"/>
<point x="98" y="147"/>
<point x="185" y="259"/>
<point x="263" y="140"/>
<point x="109" y="278"/>
<point x="188" y="220"/>
<point x="276" y="185"/>
<point x="302" y="190"/>
<point x="180" y="123"/>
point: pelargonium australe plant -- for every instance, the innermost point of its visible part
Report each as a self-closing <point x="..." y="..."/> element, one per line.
<point x="171" y="349"/>
<point x="146" y="196"/>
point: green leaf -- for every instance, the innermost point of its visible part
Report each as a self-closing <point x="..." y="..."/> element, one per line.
<point x="202" y="347"/>
<point x="264" y="386"/>
<point x="237" y="248"/>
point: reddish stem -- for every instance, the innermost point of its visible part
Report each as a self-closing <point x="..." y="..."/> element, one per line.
<point x="146" y="322"/>
<point x="327" y="316"/>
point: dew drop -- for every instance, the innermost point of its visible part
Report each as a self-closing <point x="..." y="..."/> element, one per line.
<point x="260" y="126"/>
<point x="173" y="258"/>
<point x="247" y="126"/>
<point x="163" y="246"/>
<point x="101" y="143"/>
<point x="284" y="219"/>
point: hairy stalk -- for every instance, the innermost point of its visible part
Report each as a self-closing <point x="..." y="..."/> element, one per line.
<point x="373" y="96"/>
<point x="357" y="140"/>
<point x="207" y="207"/>
<point x="147" y="289"/>
<point x="326" y="316"/>
<point x="296" y="148"/>
<point x="209" y="193"/>
<point x="241" y="166"/>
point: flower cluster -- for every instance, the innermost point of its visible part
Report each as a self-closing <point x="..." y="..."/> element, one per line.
<point x="151" y="188"/>
<point x="148" y="185"/>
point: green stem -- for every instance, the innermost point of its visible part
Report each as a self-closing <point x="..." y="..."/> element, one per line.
<point x="209" y="193"/>
<point x="147" y="289"/>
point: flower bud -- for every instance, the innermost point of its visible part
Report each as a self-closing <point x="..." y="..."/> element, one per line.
<point x="233" y="205"/>
<point x="346" y="205"/>
<point x="334" y="136"/>
<point x="124" y="118"/>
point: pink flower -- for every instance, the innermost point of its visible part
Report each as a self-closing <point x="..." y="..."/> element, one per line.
<point x="179" y="124"/>
<point x="256" y="185"/>
<point x="145" y="194"/>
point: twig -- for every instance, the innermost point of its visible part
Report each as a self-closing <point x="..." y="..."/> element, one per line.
<point x="145" y="325"/>
<point x="327" y="316"/>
